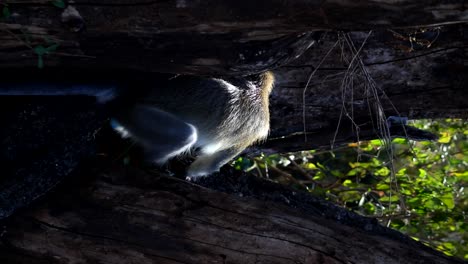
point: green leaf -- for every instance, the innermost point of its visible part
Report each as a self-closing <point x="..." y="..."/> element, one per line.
<point x="350" y="196"/>
<point x="393" y="198"/>
<point x="448" y="200"/>
<point x="447" y="248"/>
<point x="347" y="183"/>
<point x="445" y="138"/>
<point x="431" y="204"/>
<point x="401" y="172"/>
<point x="243" y="164"/>
<point x="59" y="3"/>
<point x="405" y="191"/>
<point x="310" y="166"/>
<point x="421" y="156"/>
<point x="319" y="176"/>
<point x="353" y="172"/>
<point x="40" y="50"/>
<point x="462" y="175"/>
<point x="321" y="166"/>
<point x="382" y="187"/>
<point x="399" y="141"/>
<point x="376" y="142"/>
<point x="384" y="171"/>
<point x="360" y="164"/>
<point x="40" y="62"/>
<point x="422" y="173"/>
<point x="6" y="12"/>
<point x="337" y="173"/>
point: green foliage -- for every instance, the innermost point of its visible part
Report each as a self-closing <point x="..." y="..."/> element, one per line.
<point x="5" y="12"/>
<point x="58" y="3"/>
<point x="415" y="187"/>
<point x="40" y="47"/>
<point x="40" y="51"/>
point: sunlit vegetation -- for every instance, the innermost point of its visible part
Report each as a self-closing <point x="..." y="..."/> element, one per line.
<point x="418" y="188"/>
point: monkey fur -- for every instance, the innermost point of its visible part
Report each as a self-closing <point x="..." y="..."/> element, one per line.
<point x="217" y="117"/>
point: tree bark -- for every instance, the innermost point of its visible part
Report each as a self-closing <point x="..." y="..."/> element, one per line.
<point x="427" y="82"/>
<point x="412" y="70"/>
<point x="408" y="73"/>
<point x="342" y="100"/>
<point x="131" y="217"/>
<point x="225" y="37"/>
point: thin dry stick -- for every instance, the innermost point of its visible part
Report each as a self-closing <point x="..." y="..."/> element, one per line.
<point x="17" y="38"/>
<point x="307" y="85"/>
<point x="284" y="174"/>
<point x="64" y="54"/>
<point x="259" y="171"/>
<point x="343" y="85"/>
<point x="383" y="127"/>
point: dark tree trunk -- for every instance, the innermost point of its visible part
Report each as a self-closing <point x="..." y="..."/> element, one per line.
<point x="417" y="69"/>
<point x="343" y="97"/>
<point x="130" y="217"/>
<point x="196" y="37"/>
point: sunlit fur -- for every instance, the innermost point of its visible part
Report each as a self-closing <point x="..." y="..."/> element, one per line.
<point x="228" y="116"/>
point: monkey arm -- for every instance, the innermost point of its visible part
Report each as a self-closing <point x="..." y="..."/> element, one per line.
<point x="209" y="163"/>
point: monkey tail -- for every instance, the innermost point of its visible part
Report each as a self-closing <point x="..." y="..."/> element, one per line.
<point x="102" y="92"/>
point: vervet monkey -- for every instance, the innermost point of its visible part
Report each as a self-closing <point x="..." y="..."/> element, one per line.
<point x="218" y="117"/>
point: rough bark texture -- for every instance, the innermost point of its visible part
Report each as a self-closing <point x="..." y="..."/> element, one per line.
<point x="423" y="82"/>
<point x="131" y="217"/>
<point x="225" y="37"/>
<point x="141" y="219"/>
<point x="38" y="149"/>
<point x="422" y="78"/>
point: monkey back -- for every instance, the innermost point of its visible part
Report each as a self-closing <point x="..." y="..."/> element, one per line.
<point x="225" y="117"/>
